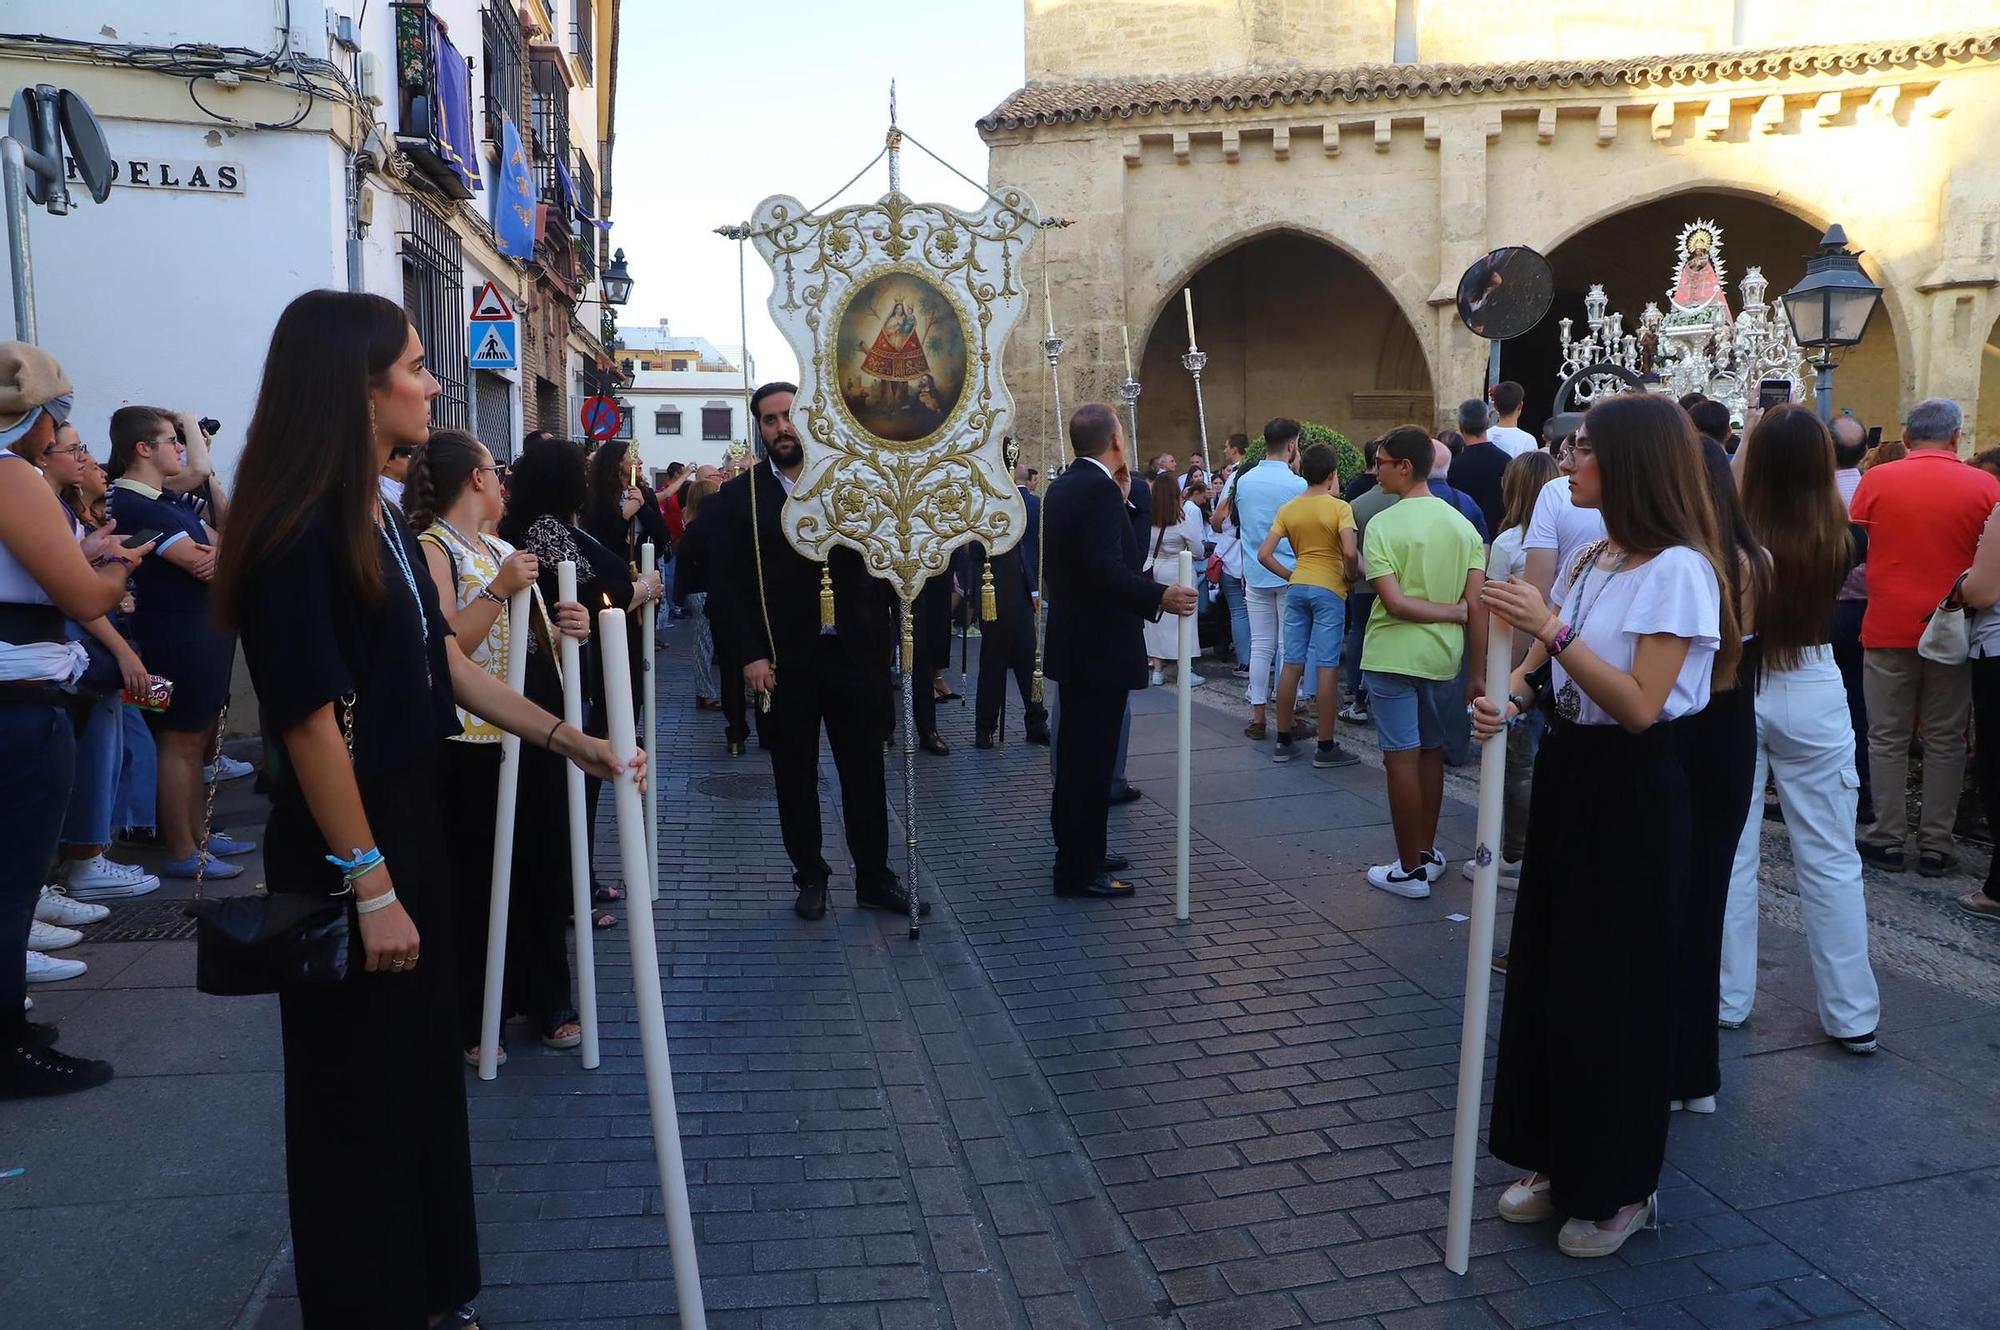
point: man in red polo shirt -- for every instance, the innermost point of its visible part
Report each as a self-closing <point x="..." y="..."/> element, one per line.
<point x="1923" y="516"/>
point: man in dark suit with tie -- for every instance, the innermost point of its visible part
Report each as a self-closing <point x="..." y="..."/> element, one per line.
<point x="1096" y="648"/>
<point x="833" y="676"/>
<point x="1008" y="643"/>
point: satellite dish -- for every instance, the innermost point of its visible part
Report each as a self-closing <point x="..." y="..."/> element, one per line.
<point x="1506" y="293"/>
<point x="24" y="126"/>
<point x="86" y="145"/>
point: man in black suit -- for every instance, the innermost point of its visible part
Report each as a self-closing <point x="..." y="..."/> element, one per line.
<point x="831" y="676"/>
<point x="1008" y="643"/>
<point x="1096" y="648"/>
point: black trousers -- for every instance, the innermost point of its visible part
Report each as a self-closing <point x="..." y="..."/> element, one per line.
<point x="933" y="652"/>
<point x="735" y="714"/>
<point x="833" y="690"/>
<point x="1581" y="1086"/>
<point x="1986" y="751"/>
<point x="1718" y="745"/>
<point x="1847" y="657"/>
<point x="1006" y="647"/>
<point x="1086" y="754"/>
<point x="537" y="960"/>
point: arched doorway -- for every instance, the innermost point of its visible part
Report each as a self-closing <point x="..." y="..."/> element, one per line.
<point x="1989" y="388"/>
<point x="1631" y="254"/>
<point x="1292" y="327"/>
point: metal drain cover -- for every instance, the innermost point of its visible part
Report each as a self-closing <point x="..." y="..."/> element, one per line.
<point x="747" y="786"/>
<point x="153" y="921"/>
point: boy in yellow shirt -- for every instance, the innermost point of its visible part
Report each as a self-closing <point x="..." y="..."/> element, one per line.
<point x="1320" y="527"/>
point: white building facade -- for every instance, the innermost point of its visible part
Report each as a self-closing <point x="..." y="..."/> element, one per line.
<point x="685" y="401"/>
<point x="325" y="163"/>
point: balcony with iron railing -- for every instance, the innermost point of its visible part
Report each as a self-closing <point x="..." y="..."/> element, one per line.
<point x="433" y="101"/>
<point x="582" y="37"/>
<point x="505" y="50"/>
<point x="584" y="205"/>
<point x="549" y="128"/>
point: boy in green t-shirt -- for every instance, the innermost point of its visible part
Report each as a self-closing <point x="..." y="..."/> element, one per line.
<point x="1426" y="563"/>
<point x="1320" y="527"/>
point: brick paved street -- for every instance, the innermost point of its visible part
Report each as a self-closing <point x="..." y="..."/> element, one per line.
<point x="1049" y="1113"/>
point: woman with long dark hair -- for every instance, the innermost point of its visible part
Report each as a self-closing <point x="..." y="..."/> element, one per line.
<point x="1177" y="526"/>
<point x="1804" y="740"/>
<point x="452" y="497"/>
<point x="545" y="498"/>
<point x="357" y="674"/>
<point x="1719" y="745"/>
<point x="1639" y="629"/>
<point x="620" y="511"/>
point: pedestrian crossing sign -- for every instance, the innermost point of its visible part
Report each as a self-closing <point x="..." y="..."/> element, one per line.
<point x="492" y="345"/>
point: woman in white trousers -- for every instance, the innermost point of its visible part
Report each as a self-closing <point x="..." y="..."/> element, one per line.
<point x="1804" y="739"/>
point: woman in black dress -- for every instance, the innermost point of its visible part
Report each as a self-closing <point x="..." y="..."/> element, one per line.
<point x="1639" y="632"/>
<point x="341" y="627"/>
<point x="544" y="499"/>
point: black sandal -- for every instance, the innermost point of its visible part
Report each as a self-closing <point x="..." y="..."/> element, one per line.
<point x="601" y="919"/>
<point x="603" y="895"/>
<point x="464" y="1316"/>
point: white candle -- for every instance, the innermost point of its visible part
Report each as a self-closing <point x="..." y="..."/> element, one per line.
<point x="1048" y="306"/>
<point x="503" y="844"/>
<point x="646" y="971"/>
<point x="1187" y="299"/>
<point x="1184" y="776"/>
<point x="1478" y="959"/>
<point x="1126" y="337"/>
<point x="649" y="645"/>
<point x="569" y="652"/>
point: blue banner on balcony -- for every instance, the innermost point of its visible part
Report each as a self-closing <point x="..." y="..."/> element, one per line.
<point x="514" y="201"/>
<point x="572" y="201"/>
<point x="454" y="91"/>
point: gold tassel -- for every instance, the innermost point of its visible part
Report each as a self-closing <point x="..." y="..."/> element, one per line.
<point x="909" y="639"/>
<point x="825" y="599"/>
<point x="989" y="602"/>
<point x="1035" y="689"/>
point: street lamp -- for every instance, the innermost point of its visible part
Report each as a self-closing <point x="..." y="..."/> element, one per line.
<point x="1830" y="307"/>
<point x="617" y="281"/>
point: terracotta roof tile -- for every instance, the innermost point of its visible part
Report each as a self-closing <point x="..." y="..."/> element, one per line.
<point x="1123" y="98"/>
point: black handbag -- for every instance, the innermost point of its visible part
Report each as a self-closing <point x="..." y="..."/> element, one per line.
<point x="273" y="941"/>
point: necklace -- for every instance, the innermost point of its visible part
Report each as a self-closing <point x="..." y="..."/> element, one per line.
<point x="410" y="581"/>
<point x="1569" y="701"/>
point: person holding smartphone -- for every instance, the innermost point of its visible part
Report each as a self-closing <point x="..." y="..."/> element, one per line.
<point x="172" y="630"/>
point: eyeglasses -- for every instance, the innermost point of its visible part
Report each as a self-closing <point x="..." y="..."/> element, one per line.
<point x="70" y="451"/>
<point x="500" y="470"/>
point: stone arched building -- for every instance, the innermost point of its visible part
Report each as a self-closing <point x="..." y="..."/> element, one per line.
<point x="1320" y="172"/>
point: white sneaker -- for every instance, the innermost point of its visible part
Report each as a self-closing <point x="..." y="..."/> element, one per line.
<point x="55" y="907"/>
<point x="1702" y="1104"/>
<point x="47" y="937"/>
<point x="1510" y="871"/>
<point x="1158" y="678"/>
<point x="101" y="879"/>
<point x="225" y="768"/>
<point x="48" y="970"/>
<point x="1392" y="879"/>
<point x="1354" y="713"/>
<point x="1434" y="865"/>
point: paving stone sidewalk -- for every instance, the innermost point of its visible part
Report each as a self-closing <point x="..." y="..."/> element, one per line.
<point x="1048" y="1113"/>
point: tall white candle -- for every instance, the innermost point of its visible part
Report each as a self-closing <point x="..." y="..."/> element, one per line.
<point x="569" y="652"/>
<point x="1184" y="773"/>
<point x="503" y="844"/>
<point x="1187" y="299"/>
<point x="1048" y="306"/>
<point x="1478" y="959"/>
<point x="650" y="646"/>
<point x="1125" y="336"/>
<point x="646" y="972"/>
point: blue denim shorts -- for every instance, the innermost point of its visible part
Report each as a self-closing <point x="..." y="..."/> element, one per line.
<point x="1410" y="712"/>
<point x="1315" y="624"/>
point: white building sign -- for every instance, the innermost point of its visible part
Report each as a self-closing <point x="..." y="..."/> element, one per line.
<point x="194" y="176"/>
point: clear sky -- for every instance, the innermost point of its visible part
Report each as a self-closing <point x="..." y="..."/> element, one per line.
<point x="721" y="105"/>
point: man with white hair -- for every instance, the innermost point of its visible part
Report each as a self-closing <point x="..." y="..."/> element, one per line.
<point x="1923" y="516"/>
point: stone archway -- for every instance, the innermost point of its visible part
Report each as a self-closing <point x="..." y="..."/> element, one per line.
<point x="1631" y="254"/>
<point x="1293" y="327"/>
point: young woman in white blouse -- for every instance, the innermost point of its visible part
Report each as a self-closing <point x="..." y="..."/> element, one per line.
<point x="1177" y="526"/>
<point x="1638" y="632"/>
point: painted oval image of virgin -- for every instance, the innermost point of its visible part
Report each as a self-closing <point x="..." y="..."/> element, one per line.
<point x="901" y="357"/>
